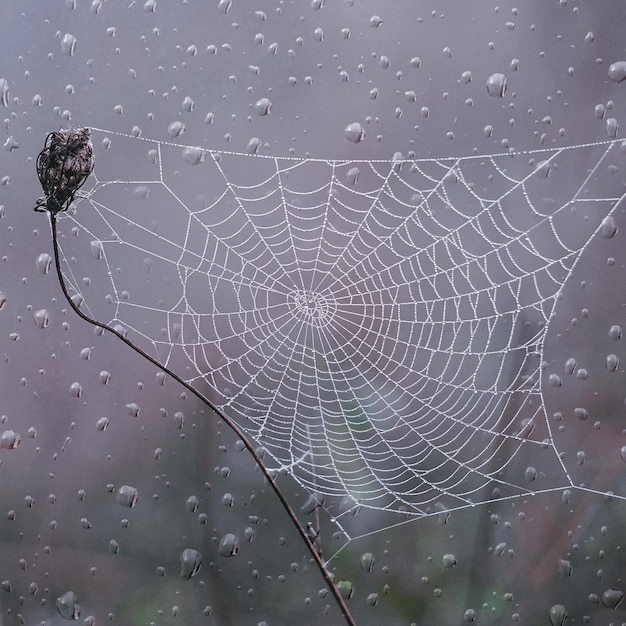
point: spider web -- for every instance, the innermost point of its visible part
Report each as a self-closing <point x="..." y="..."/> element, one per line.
<point x="378" y="326"/>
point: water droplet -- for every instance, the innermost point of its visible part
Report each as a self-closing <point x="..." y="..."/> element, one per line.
<point x="500" y="548"/>
<point x="372" y="599"/>
<point x="229" y="545"/>
<point x="85" y="523"/>
<point x="253" y="145"/>
<point x="448" y="560"/>
<point x="228" y="499"/>
<point x="67" y="606"/>
<point x="224" y="6"/>
<point x="617" y="71"/>
<point x="150" y="6"/>
<point x="615" y="332"/>
<point x="570" y="366"/>
<point x="612" y="362"/>
<point x="263" y="106"/>
<point x="530" y="474"/>
<point x="608" y="227"/>
<point x="611" y="127"/>
<point x="488" y="130"/>
<point x="622" y="453"/>
<point x="9" y="440"/>
<point x="581" y="457"/>
<point x="104" y="377"/>
<point x="192" y="503"/>
<point x="193" y="155"/>
<point x="318" y="34"/>
<point x="175" y="129"/>
<point x="554" y="380"/>
<point x="375" y="21"/>
<point x="346" y="589"/>
<point x="581" y="413"/>
<point x="557" y="615"/>
<point x="96" y="249"/>
<point x="41" y="318"/>
<point x="133" y="409"/>
<point x="127" y="496"/>
<point x="496" y="85"/>
<point x="76" y="390"/>
<point x="367" y="561"/>
<point x="612" y="598"/>
<point x="4" y="92"/>
<point x="102" y="424"/>
<point x="314" y="501"/>
<point x="543" y="169"/>
<point x="68" y="44"/>
<point x="179" y="420"/>
<point x="43" y="263"/>
<point x="190" y="562"/>
<point x="249" y="533"/>
<point x="565" y="568"/>
<point x="188" y="104"/>
<point x="352" y="176"/>
<point x="354" y="132"/>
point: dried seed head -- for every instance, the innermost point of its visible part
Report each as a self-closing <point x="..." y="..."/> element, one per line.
<point x="63" y="166"/>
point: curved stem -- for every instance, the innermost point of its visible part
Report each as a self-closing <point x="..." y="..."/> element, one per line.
<point x="228" y="421"/>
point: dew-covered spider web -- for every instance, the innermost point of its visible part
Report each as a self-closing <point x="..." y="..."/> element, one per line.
<point x="377" y="326"/>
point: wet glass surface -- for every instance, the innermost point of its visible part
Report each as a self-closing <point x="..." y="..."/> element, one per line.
<point x="386" y="241"/>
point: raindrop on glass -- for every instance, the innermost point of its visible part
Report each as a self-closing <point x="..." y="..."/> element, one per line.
<point x="554" y="380"/>
<point x="352" y="176"/>
<point x="617" y="71"/>
<point x="615" y="332"/>
<point x="9" y="440"/>
<point x="175" y="129"/>
<point x="192" y="503"/>
<point x="314" y="501"/>
<point x="263" y="106"/>
<point x="193" y="155"/>
<point x="190" y="562"/>
<point x="68" y="44"/>
<point x="43" y="263"/>
<point x="496" y="85"/>
<point x="612" y="598"/>
<point x="354" y="132"/>
<point x="608" y="227"/>
<point x="67" y="606"/>
<point x="127" y="496"/>
<point x="367" y="561"/>
<point x="133" y="409"/>
<point x="557" y="615"/>
<point x="253" y="145"/>
<point x="229" y="545"/>
<point x="4" y="92"/>
<point x="224" y="6"/>
<point x="611" y="127"/>
<point x="612" y="362"/>
<point x="41" y="318"/>
<point x="372" y="599"/>
<point x="530" y="474"/>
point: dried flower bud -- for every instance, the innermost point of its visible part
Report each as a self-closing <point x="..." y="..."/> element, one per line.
<point x="63" y="166"/>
